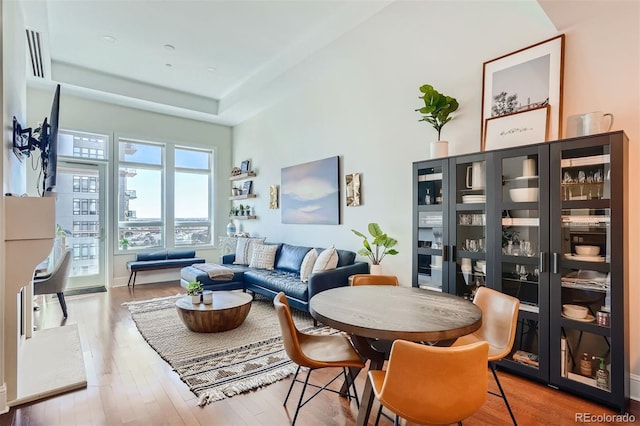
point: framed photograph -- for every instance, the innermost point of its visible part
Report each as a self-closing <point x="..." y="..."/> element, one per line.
<point x="310" y="193"/>
<point x="246" y="187"/>
<point x="244" y="167"/>
<point x="519" y="128"/>
<point x="525" y="79"/>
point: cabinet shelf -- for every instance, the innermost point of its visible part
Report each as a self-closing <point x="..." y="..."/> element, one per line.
<point x="243" y="176"/>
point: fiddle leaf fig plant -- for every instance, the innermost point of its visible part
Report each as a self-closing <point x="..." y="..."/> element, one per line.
<point x="381" y="245"/>
<point x="437" y="107"/>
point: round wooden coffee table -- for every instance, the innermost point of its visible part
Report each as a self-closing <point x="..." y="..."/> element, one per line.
<point x="228" y="311"/>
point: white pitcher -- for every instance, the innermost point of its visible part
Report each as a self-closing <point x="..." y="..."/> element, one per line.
<point x="595" y="122"/>
<point x="475" y="175"/>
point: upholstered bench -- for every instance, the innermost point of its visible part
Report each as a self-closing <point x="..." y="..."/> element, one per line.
<point x="162" y="259"/>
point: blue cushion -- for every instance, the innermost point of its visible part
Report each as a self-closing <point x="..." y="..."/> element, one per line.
<point x="346" y="257"/>
<point x="181" y="253"/>
<point x="291" y="257"/>
<point x="152" y="255"/>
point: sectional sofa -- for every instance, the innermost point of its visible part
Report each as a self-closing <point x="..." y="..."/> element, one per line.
<point x="291" y="269"/>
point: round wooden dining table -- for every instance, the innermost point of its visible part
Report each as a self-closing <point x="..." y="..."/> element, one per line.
<point x="371" y="313"/>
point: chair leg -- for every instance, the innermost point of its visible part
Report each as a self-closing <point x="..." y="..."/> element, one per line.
<point x="379" y="414"/>
<point x="304" y="387"/>
<point x="351" y="384"/>
<point x="130" y="276"/>
<point x="503" y="396"/>
<point x="293" y="380"/>
<point x="63" y="304"/>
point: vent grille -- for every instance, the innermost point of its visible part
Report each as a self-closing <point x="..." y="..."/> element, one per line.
<point x="35" y="53"/>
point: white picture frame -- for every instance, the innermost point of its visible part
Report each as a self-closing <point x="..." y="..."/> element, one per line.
<point x="520" y="128"/>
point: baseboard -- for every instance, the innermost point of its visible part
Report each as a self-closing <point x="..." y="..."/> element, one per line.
<point x="634" y="387"/>
<point x="4" y="408"/>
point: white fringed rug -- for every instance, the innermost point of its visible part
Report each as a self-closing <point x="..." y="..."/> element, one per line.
<point x="216" y="366"/>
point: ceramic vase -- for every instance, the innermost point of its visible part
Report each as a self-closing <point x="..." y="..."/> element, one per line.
<point x="195" y="299"/>
<point x="207" y="297"/>
<point x="375" y="270"/>
<point x="439" y="149"/>
<point x="231" y="229"/>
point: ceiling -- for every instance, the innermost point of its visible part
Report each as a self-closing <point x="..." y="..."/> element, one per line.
<point x="204" y="59"/>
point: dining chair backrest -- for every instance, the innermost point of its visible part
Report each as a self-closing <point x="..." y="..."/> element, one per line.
<point x="368" y="279"/>
<point x="290" y="334"/>
<point x="57" y="281"/>
<point x="447" y="384"/>
<point x="499" y="321"/>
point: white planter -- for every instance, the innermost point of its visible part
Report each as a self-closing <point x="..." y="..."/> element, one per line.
<point x="375" y="270"/>
<point x="207" y="297"/>
<point x="195" y="299"/>
<point x="439" y="149"/>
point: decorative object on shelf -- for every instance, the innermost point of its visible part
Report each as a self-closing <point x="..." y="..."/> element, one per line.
<point x="383" y="246"/>
<point x="235" y="171"/>
<point x="311" y="193"/>
<point x="591" y="123"/>
<point x="231" y="229"/>
<point x="241" y="207"/>
<point x="246" y="187"/>
<point x="273" y="197"/>
<point x="436" y="110"/>
<point x="353" y="189"/>
<point x="62" y="234"/>
<point x="523" y="80"/>
<point x="194" y="289"/>
<point x="520" y="128"/>
<point x="124" y="243"/>
<point x="207" y="297"/>
<point x="244" y="167"/>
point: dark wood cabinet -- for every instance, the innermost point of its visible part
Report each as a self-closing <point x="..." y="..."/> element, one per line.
<point x="543" y="223"/>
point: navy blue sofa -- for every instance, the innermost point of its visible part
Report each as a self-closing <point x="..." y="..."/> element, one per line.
<point x="161" y="259"/>
<point x="284" y="277"/>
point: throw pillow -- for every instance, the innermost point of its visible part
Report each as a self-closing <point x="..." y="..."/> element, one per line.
<point x="244" y="249"/>
<point x="328" y="259"/>
<point x="307" y="264"/>
<point x="264" y="256"/>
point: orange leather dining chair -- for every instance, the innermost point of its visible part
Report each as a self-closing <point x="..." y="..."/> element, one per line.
<point x="499" y="323"/>
<point x="368" y="279"/>
<point x="313" y="352"/>
<point x="432" y="385"/>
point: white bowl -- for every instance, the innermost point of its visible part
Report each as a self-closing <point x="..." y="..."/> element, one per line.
<point x="588" y="250"/>
<point x="523" y="195"/>
<point x="575" y="311"/>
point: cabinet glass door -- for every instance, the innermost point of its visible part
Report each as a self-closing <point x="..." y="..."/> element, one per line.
<point x="430" y="227"/>
<point x="523" y="247"/>
<point x="582" y="286"/>
<point x="470" y="225"/>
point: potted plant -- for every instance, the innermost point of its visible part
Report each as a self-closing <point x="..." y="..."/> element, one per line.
<point x="194" y="289"/>
<point x="436" y="110"/>
<point x="124" y="243"/>
<point x="381" y="246"/>
<point x="241" y="210"/>
<point x="62" y="233"/>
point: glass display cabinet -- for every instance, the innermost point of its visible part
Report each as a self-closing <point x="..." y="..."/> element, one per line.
<point x="589" y="296"/>
<point x="522" y="248"/>
<point x="543" y="223"/>
<point x="430" y="242"/>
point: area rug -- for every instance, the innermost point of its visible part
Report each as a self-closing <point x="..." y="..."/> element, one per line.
<point x="216" y="366"/>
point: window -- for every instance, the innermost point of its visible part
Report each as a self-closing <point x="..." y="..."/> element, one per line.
<point x="192" y="197"/>
<point x="164" y="194"/>
<point x="82" y="145"/>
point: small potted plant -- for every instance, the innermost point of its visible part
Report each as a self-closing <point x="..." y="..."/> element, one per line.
<point x="63" y="234"/>
<point x="382" y="246"/>
<point x="124" y="243"/>
<point x="435" y="111"/>
<point x="241" y="209"/>
<point x="194" y="289"/>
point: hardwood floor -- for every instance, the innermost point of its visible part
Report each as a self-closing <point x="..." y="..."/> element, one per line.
<point x="128" y="383"/>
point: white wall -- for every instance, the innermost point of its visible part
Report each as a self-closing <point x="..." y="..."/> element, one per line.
<point x="365" y="88"/>
<point x="13" y="91"/>
<point x="96" y="117"/>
